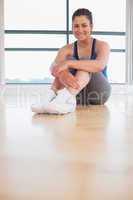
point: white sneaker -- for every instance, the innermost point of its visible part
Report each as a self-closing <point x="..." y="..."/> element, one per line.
<point x="39" y="108"/>
<point x="63" y="103"/>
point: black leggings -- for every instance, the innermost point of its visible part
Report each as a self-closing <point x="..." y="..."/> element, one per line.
<point x="96" y="92"/>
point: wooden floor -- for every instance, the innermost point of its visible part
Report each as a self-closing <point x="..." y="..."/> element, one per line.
<point x="86" y="155"/>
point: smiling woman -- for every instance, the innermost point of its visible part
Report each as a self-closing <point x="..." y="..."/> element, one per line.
<point x="78" y="67"/>
<point x="110" y="26"/>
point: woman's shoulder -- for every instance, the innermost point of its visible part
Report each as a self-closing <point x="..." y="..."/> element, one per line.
<point x="67" y="49"/>
<point x="101" y="44"/>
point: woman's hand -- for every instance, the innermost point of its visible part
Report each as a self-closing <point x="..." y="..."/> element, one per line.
<point x="57" y="68"/>
<point x="68" y="80"/>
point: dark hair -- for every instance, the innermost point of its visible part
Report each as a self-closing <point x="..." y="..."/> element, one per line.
<point x="85" y="12"/>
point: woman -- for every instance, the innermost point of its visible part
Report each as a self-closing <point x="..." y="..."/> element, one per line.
<point x="79" y="70"/>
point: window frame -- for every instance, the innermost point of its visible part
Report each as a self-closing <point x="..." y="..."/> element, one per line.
<point x="67" y="32"/>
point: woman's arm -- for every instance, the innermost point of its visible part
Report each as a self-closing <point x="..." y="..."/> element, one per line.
<point x="60" y="57"/>
<point x="93" y="65"/>
<point x="102" y="52"/>
<point x="64" y="76"/>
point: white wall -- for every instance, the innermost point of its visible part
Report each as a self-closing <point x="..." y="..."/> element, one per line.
<point x="129" y="41"/>
<point x="2" y="71"/>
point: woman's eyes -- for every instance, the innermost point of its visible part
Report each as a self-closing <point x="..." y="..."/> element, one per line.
<point x="83" y="25"/>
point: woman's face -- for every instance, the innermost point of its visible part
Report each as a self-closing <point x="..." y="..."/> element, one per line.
<point x="81" y="27"/>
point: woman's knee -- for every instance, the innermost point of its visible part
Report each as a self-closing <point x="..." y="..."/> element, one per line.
<point x="99" y="98"/>
<point x="92" y="97"/>
<point x="83" y="78"/>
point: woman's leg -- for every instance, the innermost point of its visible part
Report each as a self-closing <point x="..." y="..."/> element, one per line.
<point x="65" y="80"/>
<point x="57" y="85"/>
<point x="49" y="95"/>
<point x="96" y="92"/>
<point x="83" y="79"/>
<point x="65" y="100"/>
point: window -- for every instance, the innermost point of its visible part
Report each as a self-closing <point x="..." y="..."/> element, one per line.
<point x="36" y="30"/>
<point x="35" y="15"/>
